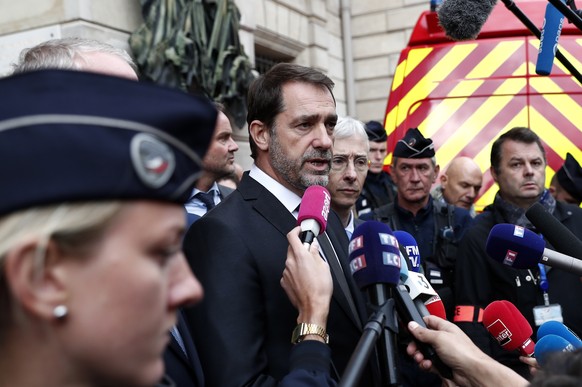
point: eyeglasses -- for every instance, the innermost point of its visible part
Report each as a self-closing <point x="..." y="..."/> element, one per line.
<point x="340" y="163"/>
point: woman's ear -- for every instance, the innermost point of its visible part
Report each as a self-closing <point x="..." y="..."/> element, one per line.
<point x="36" y="283"/>
<point x="260" y="134"/>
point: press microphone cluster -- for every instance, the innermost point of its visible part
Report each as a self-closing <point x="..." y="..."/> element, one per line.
<point x="425" y="298"/>
<point x="508" y="326"/>
<point x="375" y="263"/>
<point x="521" y="248"/>
<point x="313" y="213"/>
<point x="463" y="19"/>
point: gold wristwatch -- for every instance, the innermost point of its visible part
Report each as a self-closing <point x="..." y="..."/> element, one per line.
<point x="304" y="329"/>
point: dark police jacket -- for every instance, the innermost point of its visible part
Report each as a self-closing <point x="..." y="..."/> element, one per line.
<point x="481" y="280"/>
<point x="437" y="229"/>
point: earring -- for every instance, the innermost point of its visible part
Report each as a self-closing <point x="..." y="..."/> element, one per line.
<point x="60" y="311"/>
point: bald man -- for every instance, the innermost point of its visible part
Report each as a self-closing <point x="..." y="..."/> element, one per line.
<point x="460" y="184"/>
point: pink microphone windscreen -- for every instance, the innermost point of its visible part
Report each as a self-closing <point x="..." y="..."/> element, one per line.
<point x="315" y="204"/>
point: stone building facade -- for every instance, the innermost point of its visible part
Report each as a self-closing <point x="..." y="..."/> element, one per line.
<point x="356" y="42"/>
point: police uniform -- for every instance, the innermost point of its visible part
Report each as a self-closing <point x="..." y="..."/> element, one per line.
<point x="481" y="280"/>
<point x="437" y="229"/>
<point x="378" y="189"/>
<point x="570" y="177"/>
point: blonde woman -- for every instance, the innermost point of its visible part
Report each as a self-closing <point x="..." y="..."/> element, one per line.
<point x="94" y="173"/>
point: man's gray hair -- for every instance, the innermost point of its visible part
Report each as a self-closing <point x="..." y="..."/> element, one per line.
<point x="65" y="53"/>
<point x="347" y="127"/>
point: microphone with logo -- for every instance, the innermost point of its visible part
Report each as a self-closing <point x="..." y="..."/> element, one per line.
<point x="313" y="213"/>
<point x="550" y="344"/>
<point x="521" y="248"/>
<point x="508" y="326"/>
<point x="551" y="30"/>
<point x="553" y="336"/>
<point x="425" y="298"/>
<point x="558" y="329"/>
<point x="375" y="264"/>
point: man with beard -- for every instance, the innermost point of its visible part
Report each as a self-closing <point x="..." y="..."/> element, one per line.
<point x="243" y="328"/>
<point x="349" y="167"/>
<point x="518" y="166"/>
<point x="217" y="163"/>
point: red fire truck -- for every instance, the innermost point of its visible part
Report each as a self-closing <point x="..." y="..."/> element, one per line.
<point x="463" y="95"/>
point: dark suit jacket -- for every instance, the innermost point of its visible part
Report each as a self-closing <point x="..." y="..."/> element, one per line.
<point x="185" y="371"/>
<point x="243" y="326"/>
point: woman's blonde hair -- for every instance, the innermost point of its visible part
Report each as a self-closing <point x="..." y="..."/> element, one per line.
<point x="74" y="227"/>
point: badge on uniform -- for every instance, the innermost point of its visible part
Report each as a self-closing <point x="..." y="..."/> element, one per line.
<point x="543" y="313"/>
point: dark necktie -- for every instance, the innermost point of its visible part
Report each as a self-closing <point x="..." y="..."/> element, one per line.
<point x="206" y="198"/>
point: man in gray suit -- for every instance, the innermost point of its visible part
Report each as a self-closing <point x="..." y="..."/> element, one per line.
<point x="349" y="167"/>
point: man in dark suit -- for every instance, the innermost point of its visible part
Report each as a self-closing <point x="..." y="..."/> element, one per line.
<point x="238" y="250"/>
<point x="217" y="163"/>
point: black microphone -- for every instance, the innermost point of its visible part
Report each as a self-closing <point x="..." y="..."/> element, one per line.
<point x="559" y="236"/>
<point x="463" y="19"/>
<point x="521" y="248"/>
<point x="313" y="213"/>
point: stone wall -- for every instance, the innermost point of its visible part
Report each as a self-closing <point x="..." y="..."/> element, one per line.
<point x="309" y="32"/>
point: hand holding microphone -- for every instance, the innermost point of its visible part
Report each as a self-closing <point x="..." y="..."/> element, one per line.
<point x="470" y="366"/>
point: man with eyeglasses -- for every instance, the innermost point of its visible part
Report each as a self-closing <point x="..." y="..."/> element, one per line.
<point x="349" y="167"/>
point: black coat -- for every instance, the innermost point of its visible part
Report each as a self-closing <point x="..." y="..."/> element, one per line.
<point x="481" y="280"/>
<point x="243" y="326"/>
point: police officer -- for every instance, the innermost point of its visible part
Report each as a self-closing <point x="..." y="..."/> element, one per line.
<point x="436" y="227"/>
<point x="379" y="189"/>
<point x="566" y="184"/>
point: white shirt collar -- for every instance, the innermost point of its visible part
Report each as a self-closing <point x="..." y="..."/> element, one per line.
<point x="288" y="198"/>
<point x="350" y="226"/>
<point x="214" y="190"/>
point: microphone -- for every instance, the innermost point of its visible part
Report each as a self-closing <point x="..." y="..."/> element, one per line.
<point x="375" y="265"/>
<point x="549" y="345"/>
<point x="551" y="30"/>
<point x="313" y="213"/>
<point x="425" y="298"/>
<point x="508" y="326"/>
<point x="521" y="248"/>
<point x="435" y="307"/>
<point x="559" y="236"/>
<point x="463" y="19"/>
<point x="556" y="328"/>
<point x="408" y="242"/>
